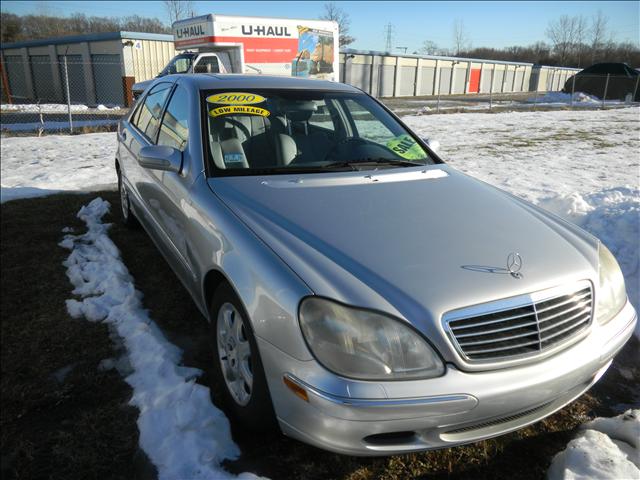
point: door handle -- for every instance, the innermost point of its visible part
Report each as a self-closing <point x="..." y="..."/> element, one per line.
<point x="124" y="134"/>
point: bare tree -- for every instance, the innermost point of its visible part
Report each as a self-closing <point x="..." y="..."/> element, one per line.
<point x="579" y="45"/>
<point x="336" y="14"/>
<point x="565" y="34"/>
<point x="429" y="48"/>
<point x="597" y="33"/>
<point x="179" y="9"/>
<point x="460" y="38"/>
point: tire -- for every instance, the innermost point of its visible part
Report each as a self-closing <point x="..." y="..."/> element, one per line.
<point x="237" y="367"/>
<point x="127" y="218"/>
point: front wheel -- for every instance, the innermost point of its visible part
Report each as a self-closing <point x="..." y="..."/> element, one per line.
<point x="237" y="365"/>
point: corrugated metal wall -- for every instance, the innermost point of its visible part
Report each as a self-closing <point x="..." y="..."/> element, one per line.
<point x="16" y="74"/>
<point x="149" y="57"/>
<point x="75" y="71"/>
<point x="107" y="77"/>
<point x="387" y="75"/>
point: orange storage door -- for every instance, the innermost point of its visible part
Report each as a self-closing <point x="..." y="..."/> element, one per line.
<point x="474" y="81"/>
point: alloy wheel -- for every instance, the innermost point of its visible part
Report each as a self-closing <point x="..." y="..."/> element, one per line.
<point x="234" y="354"/>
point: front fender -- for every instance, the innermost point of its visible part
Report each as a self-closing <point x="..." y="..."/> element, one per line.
<point x="269" y="290"/>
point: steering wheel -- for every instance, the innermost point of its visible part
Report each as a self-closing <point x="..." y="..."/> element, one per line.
<point x="355" y="141"/>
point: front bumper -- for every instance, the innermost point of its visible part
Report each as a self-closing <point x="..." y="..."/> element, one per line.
<point x="370" y="418"/>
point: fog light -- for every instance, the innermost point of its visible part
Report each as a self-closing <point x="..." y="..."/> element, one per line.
<point x="295" y="388"/>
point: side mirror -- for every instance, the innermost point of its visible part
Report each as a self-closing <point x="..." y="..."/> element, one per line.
<point x="160" y="157"/>
<point x="433" y="144"/>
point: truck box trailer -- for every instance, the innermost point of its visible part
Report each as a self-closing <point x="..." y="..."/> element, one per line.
<point x="254" y="45"/>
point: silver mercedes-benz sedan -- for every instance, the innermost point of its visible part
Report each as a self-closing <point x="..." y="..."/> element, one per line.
<point x="364" y="295"/>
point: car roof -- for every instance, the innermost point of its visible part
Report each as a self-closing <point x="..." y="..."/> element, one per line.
<point x="211" y="81"/>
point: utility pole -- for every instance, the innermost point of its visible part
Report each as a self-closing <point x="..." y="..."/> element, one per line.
<point x="388" y="33"/>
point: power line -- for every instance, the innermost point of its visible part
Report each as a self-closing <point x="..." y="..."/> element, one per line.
<point x="388" y="32"/>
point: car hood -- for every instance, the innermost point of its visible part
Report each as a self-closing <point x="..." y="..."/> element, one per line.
<point x="411" y="242"/>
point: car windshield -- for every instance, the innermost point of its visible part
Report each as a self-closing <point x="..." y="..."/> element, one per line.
<point x="179" y="64"/>
<point x="288" y="131"/>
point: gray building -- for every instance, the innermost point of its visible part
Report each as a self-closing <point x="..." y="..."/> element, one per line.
<point x="100" y="67"/>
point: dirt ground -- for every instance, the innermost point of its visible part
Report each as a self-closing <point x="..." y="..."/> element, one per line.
<point x="63" y="417"/>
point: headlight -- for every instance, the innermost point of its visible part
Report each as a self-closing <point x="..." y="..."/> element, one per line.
<point x="611" y="293"/>
<point x="365" y="345"/>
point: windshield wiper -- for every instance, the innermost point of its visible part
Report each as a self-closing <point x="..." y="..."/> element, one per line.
<point x="372" y="161"/>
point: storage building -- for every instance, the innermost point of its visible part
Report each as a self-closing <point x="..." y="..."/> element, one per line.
<point x="100" y="67"/>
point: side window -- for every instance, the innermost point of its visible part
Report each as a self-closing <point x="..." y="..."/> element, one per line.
<point x="207" y="65"/>
<point x="368" y="126"/>
<point x="174" y="130"/>
<point x="148" y="119"/>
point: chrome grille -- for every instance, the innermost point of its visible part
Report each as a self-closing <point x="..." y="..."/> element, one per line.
<point x="529" y="325"/>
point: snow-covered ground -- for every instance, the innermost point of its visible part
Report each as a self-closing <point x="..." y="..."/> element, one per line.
<point x="605" y="449"/>
<point x="33" y="167"/>
<point x="182" y="432"/>
<point x="579" y="99"/>
<point x="583" y="165"/>
<point x="470" y="103"/>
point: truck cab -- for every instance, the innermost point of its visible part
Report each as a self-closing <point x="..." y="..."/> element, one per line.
<point x="189" y="62"/>
<point x="194" y="62"/>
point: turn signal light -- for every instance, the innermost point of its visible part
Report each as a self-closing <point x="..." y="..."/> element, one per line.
<point x="295" y="388"/>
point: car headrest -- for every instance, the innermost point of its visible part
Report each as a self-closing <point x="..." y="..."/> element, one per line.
<point x="299" y="115"/>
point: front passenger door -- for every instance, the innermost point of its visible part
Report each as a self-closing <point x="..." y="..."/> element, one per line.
<point x="173" y="195"/>
<point x="143" y="183"/>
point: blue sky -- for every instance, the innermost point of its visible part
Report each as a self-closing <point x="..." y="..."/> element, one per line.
<point x="496" y="24"/>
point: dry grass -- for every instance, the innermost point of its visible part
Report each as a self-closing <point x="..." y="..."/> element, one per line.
<point x="82" y="428"/>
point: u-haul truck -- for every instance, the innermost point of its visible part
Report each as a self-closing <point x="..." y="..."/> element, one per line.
<point x="254" y="45"/>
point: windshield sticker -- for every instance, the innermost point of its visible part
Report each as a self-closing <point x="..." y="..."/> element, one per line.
<point x="235" y="98"/>
<point x="233" y="158"/>
<point x="406" y="147"/>
<point x="233" y="109"/>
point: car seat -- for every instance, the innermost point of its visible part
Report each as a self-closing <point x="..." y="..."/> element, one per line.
<point x="298" y="143"/>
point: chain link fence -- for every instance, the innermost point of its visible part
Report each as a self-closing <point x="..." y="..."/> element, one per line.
<point x="69" y="95"/>
<point x="576" y="92"/>
<point x="74" y="96"/>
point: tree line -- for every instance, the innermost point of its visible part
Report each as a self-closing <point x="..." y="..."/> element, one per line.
<point x="571" y="41"/>
<point x="15" y="28"/>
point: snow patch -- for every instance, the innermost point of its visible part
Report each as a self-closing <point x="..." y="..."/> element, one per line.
<point x="37" y="167"/>
<point x="607" y="448"/>
<point x="41" y="107"/>
<point x="560" y="97"/>
<point x="52" y="107"/>
<point x="181" y="431"/>
<point x="612" y="215"/>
